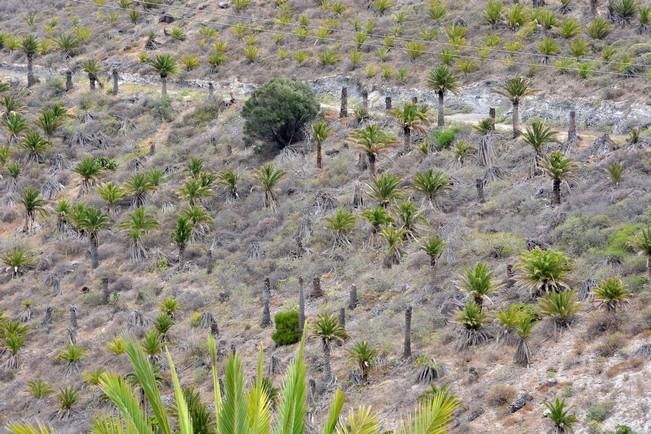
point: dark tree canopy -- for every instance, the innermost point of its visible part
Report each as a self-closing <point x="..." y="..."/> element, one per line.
<point x="278" y="110"/>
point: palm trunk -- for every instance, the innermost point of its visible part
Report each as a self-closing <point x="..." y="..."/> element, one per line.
<point x="91" y="82"/>
<point x="30" y="70"/>
<point x="406" y="348"/>
<point x="301" y="306"/>
<point x="318" y="155"/>
<point x="441" y="120"/>
<point x="407" y="137"/>
<point x="556" y="197"/>
<point x="93" y="250"/>
<point x="163" y="89"/>
<point x="432" y="261"/>
<point x="327" y="371"/>
<point x="593" y="7"/>
<point x="371" y="163"/>
<point x="181" y="252"/>
<point x="516" y="119"/>
<point x="648" y="266"/>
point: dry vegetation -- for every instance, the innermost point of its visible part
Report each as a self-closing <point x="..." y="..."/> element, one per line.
<point x="457" y="223"/>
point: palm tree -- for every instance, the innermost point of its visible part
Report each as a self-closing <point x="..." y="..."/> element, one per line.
<point x="543" y="270"/>
<point x="377" y="217"/>
<point x="560" y="416"/>
<point x="372" y="140"/>
<point x="93" y="68"/>
<point x="30" y="46"/>
<point x="328" y="328"/>
<point x="15" y="124"/>
<point x="112" y="194"/>
<point x="442" y="80"/>
<point x="523" y="327"/>
<point x="394" y="238"/>
<point x="537" y="136"/>
<point x="320" y="133"/>
<point x="62" y="210"/>
<point x="181" y="235"/>
<point x="165" y="65"/>
<point x="559" y="167"/>
<point x="194" y="190"/>
<point x="342" y="224"/>
<point x="11" y="104"/>
<point x="268" y="177"/>
<point x="478" y="283"/>
<point x="431" y="184"/>
<point x="515" y="89"/>
<point x="611" y="294"/>
<point x="138" y="186"/>
<point x="433" y="247"/>
<point x="17" y="259"/>
<point x="229" y="179"/>
<point x="385" y="188"/>
<point x="472" y="319"/>
<point x="195" y="167"/>
<point x="198" y="217"/>
<point x="642" y="242"/>
<point x="33" y="204"/>
<point x="49" y="121"/>
<point x="364" y="355"/>
<point x="92" y="221"/>
<point x="412" y="117"/>
<point x="89" y="170"/>
<point x="409" y="217"/>
<point x="35" y="146"/>
<point x="137" y="225"/>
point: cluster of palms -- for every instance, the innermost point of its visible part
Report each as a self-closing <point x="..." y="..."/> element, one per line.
<point x="543" y="272"/>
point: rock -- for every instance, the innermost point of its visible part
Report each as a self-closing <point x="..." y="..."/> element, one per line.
<point x="602" y="145"/>
<point x="166" y="18"/>
<point x="223" y="5"/>
<point x="473" y="375"/>
<point x="520" y="402"/>
<point x="475" y="413"/>
<point x="458" y="21"/>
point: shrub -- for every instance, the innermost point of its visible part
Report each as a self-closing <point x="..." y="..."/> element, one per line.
<point x="600" y="411"/>
<point x="278" y="111"/>
<point x="599" y="28"/>
<point x="286" y="332"/>
<point x="500" y="394"/>
<point x="444" y="138"/>
<point x="611" y="344"/>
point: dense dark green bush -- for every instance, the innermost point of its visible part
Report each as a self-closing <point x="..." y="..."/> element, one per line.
<point x="277" y="112"/>
<point x="286" y="332"/>
<point x="443" y="139"/>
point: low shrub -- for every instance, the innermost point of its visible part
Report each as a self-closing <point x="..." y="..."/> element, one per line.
<point x="286" y="332"/>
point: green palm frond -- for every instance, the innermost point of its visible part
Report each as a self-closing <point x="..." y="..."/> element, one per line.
<point x="412" y="116"/>
<point x="372" y="139"/>
<point x="360" y="421"/>
<point x="433" y="416"/>
<point x="292" y="407"/>
<point x="558" y="165"/>
<point x="21" y="428"/>
<point x="258" y="413"/>
<point x="538" y="134"/>
<point x="385" y="188"/>
<point x="516" y="88"/>
<point x="183" y="416"/>
<point x="165" y="65"/>
<point x="442" y="80"/>
<point x="330" y="424"/>
<point x="124" y="398"/>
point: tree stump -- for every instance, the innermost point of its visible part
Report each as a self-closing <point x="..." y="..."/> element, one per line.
<point x="343" y="110"/>
<point x="491" y="114"/>
<point x="301" y="306"/>
<point x="115" y="77"/>
<point x="479" y="183"/>
<point x="342" y="317"/>
<point x="47" y="320"/>
<point x="571" y="133"/>
<point x="106" y="294"/>
<point x="211" y="91"/>
<point x="358" y="195"/>
<point x="406" y="348"/>
<point x="266" y="298"/>
<point x="68" y="81"/>
<point x="136" y="320"/>
<point x="365" y="101"/>
<point x="414" y="100"/>
<point x="316" y="288"/>
<point x="387" y="103"/>
<point x="352" y="297"/>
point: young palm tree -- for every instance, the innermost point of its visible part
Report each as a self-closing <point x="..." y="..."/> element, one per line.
<point x="199" y="218"/>
<point x="472" y="320"/>
<point x="442" y="80"/>
<point x="559" y="167"/>
<point x="412" y="117"/>
<point x="49" y="121"/>
<point x="111" y="194"/>
<point x="268" y="177"/>
<point x="165" y="65"/>
<point x="13" y="339"/>
<point x="537" y="136"/>
<point x="515" y="89"/>
<point x="560" y="416"/>
<point x="478" y="283"/>
<point x="560" y="307"/>
<point x="431" y="184"/>
<point x="138" y="186"/>
<point x="137" y="225"/>
<point x="342" y="224"/>
<point x="364" y="355"/>
<point x="195" y="167"/>
<point x="377" y="217"/>
<point x="35" y="146"/>
<point x="611" y="294"/>
<point x="93" y="68"/>
<point x="92" y="221"/>
<point x="229" y="179"/>
<point x="194" y="190"/>
<point x="320" y="132"/>
<point x="642" y="242"/>
<point x="15" y="124"/>
<point x="433" y="247"/>
<point x="15" y="169"/>
<point x="409" y="217"/>
<point x="33" y="204"/>
<point x="17" y="259"/>
<point x="89" y="170"/>
<point x="372" y="140"/>
<point x="62" y="211"/>
<point x="385" y="188"/>
<point x="543" y="271"/>
<point x="394" y="238"/>
<point x="30" y="46"/>
<point x="181" y="235"/>
<point x="328" y="329"/>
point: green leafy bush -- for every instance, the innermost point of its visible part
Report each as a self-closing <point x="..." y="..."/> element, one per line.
<point x="277" y="112"/>
<point x="444" y="138"/>
<point x="286" y="332"/>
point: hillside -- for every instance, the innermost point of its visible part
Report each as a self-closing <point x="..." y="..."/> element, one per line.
<point x="178" y="157"/>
